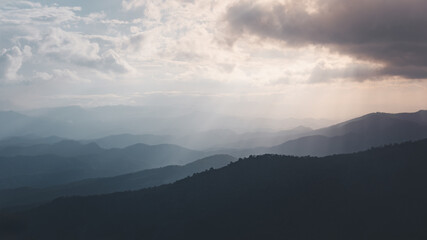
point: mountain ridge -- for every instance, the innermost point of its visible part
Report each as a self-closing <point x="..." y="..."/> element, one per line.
<point x="127" y="182"/>
<point x="347" y="196"/>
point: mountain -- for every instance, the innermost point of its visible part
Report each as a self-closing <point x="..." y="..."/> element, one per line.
<point x="376" y="194"/>
<point x="126" y="140"/>
<point x="74" y="122"/>
<point x="46" y="170"/>
<point x="209" y="140"/>
<point x="378" y="123"/>
<point x="419" y="117"/>
<point x="28" y="140"/>
<point x="372" y="130"/>
<point x="266" y="139"/>
<point x="66" y="161"/>
<point x="132" y="181"/>
<point x="65" y="148"/>
<point x="150" y="125"/>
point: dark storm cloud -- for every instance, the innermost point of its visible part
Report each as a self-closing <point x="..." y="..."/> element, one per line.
<point x="389" y="32"/>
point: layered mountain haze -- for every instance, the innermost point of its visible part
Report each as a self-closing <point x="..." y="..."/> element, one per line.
<point x="358" y="134"/>
<point x="125" y="140"/>
<point x="274" y="196"/>
<point x="64" y="148"/>
<point x="372" y="130"/>
<point x="89" y="123"/>
<point x="29" y="140"/>
<point x="34" y="171"/>
<point x="214" y="139"/>
<point x="133" y="181"/>
<point x="66" y="161"/>
<point x="213" y="119"/>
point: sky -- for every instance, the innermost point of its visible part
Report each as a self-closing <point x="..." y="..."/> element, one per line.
<point x="332" y="59"/>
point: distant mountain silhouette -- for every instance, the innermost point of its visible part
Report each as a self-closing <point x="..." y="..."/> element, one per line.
<point x="264" y="139"/>
<point x="213" y="139"/>
<point x="65" y="148"/>
<point x="419" y="117"/>
<point x="66" y="161"/>
<point x="372" y="130"/>
<point x="377" y="123"/>
<point x="74" y="122"/>
<point x="376" y="194"/>
<point x="126" y="140"/>
<point x="132" y="181"/>
<point x="217" y="139"/>
<point x="26" y="141"/>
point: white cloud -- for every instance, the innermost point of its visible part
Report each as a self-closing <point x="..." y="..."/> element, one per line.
<point x="77" y="49"/>
<point x="58" y="39"/>
<point x="24" y="12"/>
<point x="68" y="46"/>
<point x="132" y="4"/>
<point x="11" y="61"/>
<point x="122" y="46"/>
<point x="43" y="76"/>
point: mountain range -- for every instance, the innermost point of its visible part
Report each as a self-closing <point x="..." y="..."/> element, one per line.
<point x="133" y="181"/>
<point x="41" y="162"/>
<point x="74" y="122"/>
<point x="66" y="161"/>
<point x="375" y="194"/>
<point x="372" y="130"/>
<point x="375" y="129"/>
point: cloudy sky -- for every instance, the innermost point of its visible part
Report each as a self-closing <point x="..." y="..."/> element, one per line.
<point x="297" y="58"/>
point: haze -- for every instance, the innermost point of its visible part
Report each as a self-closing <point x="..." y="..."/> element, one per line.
<point x="274" y="59"/>
<point x="213" y="119"/>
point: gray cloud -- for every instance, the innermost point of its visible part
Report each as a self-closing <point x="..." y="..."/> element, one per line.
<point x="136" y="41"/>
<point x="388" y="32"/>
<point x="359" y="72"/>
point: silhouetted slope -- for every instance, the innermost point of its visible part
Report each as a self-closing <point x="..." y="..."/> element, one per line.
<point x="41" y="170"/>
<point x="266" y="139"/>
<point x="372" y="130"/>
<point x="155" y="155"/>
<point x="47" y="165"/>
<point x="377" y="194"/>
<point x="403" y="124"/>
<point x="419" y="117"/>
<point x="132" y="181"/>
<point x="125" y="140"/>
<point x="65" y="148"/>
<point x="26" y="141"/>
<point x="213" y="139"/>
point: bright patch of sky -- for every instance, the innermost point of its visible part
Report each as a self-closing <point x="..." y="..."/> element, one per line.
<point x="183" y="52"/>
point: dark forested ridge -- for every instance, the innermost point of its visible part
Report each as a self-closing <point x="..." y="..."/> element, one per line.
<point x="133" y="181"/>
<point x="376" y="194"/>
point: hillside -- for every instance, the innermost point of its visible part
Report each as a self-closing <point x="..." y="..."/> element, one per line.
<point x="376" y="194"/>
<point x="132" y="181"/>
<point x="47" y="165"/>
<point x="64" y="148"/>
<point x="372" y="130"/>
